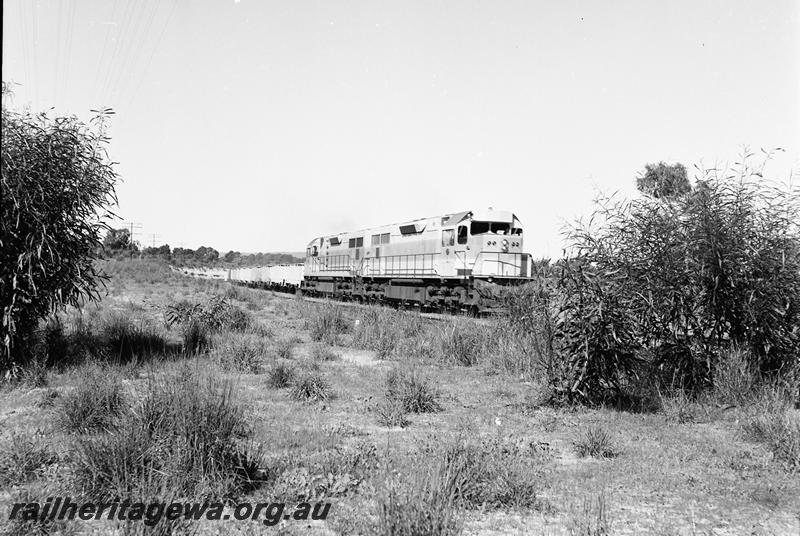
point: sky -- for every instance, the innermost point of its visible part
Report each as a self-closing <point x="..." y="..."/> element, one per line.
<point x="256" y="125"/>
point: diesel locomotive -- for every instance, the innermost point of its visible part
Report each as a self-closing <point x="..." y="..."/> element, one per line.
<point x="453" y="261"/>
<point x="450" y="262"/>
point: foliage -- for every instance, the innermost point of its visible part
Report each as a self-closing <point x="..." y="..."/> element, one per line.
<point x="57" y="187"/>
<point x="116" y="239"/>
<point x="663" y="181"/>
<point x="199" y="319"/>
<point x="679" y="281"/>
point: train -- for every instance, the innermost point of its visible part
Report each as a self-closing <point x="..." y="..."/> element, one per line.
<point x="448" y="262"/>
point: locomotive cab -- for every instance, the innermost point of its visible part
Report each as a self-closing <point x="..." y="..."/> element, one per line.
<point x="493" y="245"/>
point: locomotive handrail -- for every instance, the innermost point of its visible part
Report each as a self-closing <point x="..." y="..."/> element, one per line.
<point x="407" y="264"/>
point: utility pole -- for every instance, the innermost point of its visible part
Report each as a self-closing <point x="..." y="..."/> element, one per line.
<point x="131" y="229"/>
<point x="154" y="237"/>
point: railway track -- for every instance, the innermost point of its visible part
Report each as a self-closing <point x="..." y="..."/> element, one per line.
<point x="438" y="317"/>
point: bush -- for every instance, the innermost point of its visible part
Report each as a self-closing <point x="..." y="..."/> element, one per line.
<point x="57" y="187"/>
<point x="198" y="321"/>
<point x="412" y="390"/>
<point x="596" y="442"/>
<point x="682" y="280"/>
<point x="281" y="376"/>
<point x="185" y="440"/>
<point x="311" y="387"/>
<point x="95" y="404"/>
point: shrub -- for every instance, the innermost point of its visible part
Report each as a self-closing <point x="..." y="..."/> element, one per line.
<point x="281" y="375"/>
<point x="23" y="459"/>
<point x="327" y="322"/>
<point x="199" y="320"/>
<point x="186" y="440"/>
<point x="57" y="186"/>
<point x="596" y="442"/>
<point x="311" y="387"/>
<point x="412" y="390"/>
<point x="681" y="279"/>
<point x="95" y="403"/>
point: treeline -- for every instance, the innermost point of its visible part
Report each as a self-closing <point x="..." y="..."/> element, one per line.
<point x="117" y="243"/>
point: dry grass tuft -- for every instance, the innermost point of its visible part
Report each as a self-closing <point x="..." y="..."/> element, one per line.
<point x="94" y="404"/>
<point x="596" y="442"/>
<point x="412" y="390"/>
<point x="311" y="386"/>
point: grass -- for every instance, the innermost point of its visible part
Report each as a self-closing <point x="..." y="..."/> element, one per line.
<point x="240" y="352"/>
<point x="595" y="442"/>
<point x="425" y="502"/>
<point x="391" y="413"/>
<point x="186" y="439"/>
<point x="320" y="352"/>
<point x="771" y="420"/>
<point x="95" y="404"/>
<point x="126" y="340"/>
<point x="281" y="375"/>
<point x="285" y="347"/>
<point x="482" y="455"/>
<point x="327" y="322"/>
<point x="24" y="458"/>
<point x="311" y="386"/>
<point x="412" y="390"/>
<point x="463" y="343"/>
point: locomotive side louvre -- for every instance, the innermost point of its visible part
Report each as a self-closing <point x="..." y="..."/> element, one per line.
<point x="444" y="261"/>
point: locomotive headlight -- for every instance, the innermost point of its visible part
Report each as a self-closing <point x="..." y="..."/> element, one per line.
<point x="505" y="245"/>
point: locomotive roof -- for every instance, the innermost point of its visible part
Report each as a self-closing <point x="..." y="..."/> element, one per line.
<point x="452" y="219"/>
